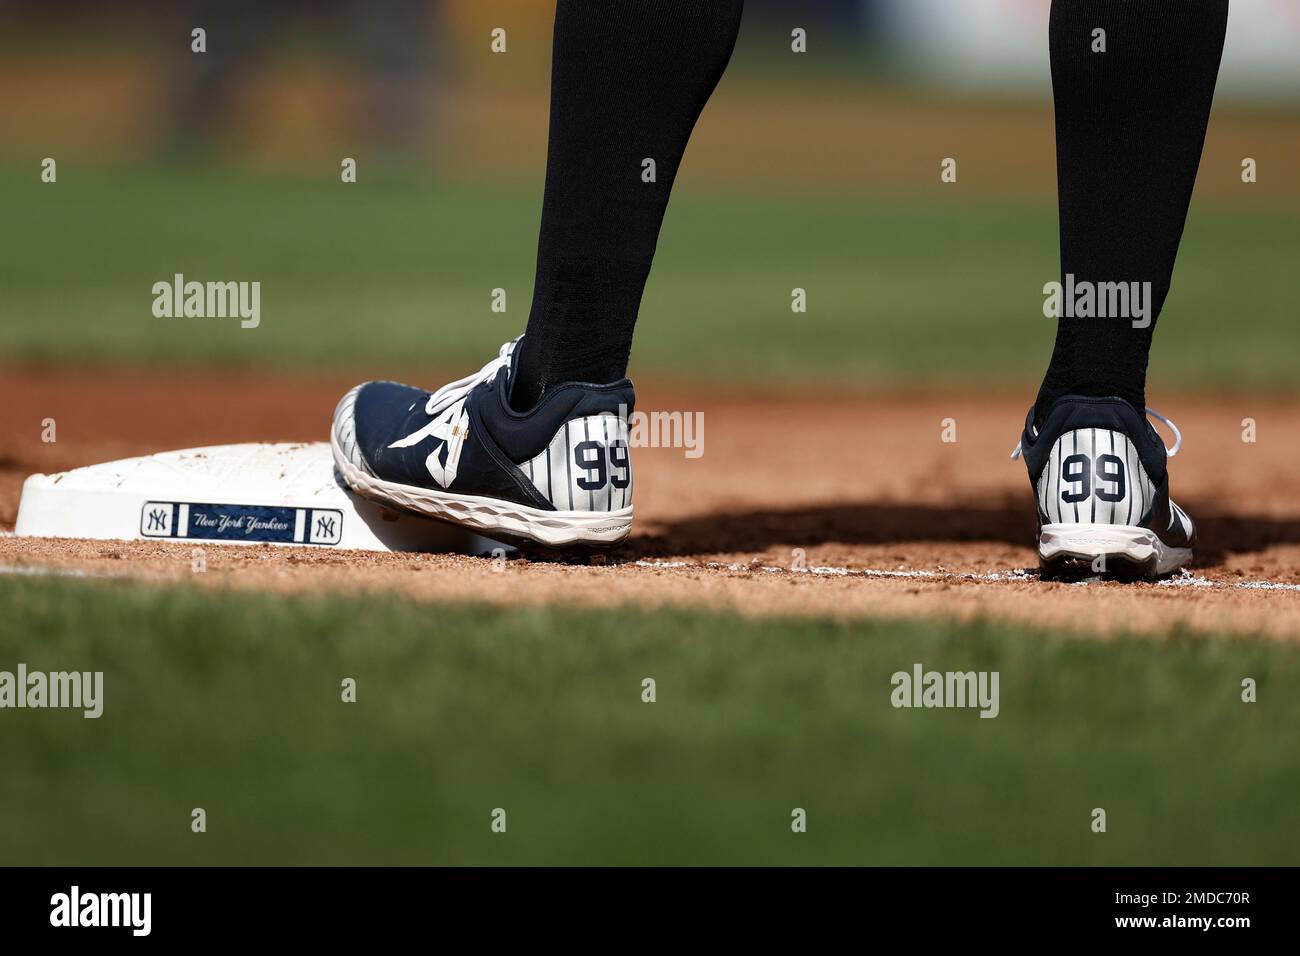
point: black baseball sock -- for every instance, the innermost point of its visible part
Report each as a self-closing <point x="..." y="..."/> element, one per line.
<point x="1130" y="125"/>
<point x="628" y="81"/>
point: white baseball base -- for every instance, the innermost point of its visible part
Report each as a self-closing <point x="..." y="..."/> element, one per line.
<point x="228" y="494"/>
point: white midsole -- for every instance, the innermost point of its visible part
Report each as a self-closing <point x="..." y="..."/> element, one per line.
<point x="489" y="515"/>
<point x="1094" y="540"/>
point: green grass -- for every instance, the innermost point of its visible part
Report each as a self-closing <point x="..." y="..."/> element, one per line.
<point x="231" y="702"/>
<point x="395" y="273"/>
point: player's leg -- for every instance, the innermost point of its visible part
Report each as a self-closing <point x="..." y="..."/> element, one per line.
<point x="534" y="448"/>
<point x="1130" y="124"/>
<point x="628" y="81"/>
<point x="1132" y="105"/>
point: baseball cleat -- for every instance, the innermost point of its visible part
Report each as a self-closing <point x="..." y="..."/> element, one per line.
<point x="1098" y="470"/>
<point x="558" y="476"/>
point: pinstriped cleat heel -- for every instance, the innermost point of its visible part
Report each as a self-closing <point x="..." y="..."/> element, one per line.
<point x="1099" y="473"/>
<point x="555" y="479"/>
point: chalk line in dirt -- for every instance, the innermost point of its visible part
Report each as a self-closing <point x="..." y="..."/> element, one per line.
<point x="1183" y="580"/>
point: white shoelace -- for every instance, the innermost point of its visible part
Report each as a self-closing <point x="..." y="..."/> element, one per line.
<point x="1178" y="436"/>
<point x="454" y="391"/>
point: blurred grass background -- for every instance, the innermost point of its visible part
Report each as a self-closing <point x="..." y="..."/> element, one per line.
<point x="463" y="709"/>
<point x="396" y="276"/>
<point x="818" y="171"/>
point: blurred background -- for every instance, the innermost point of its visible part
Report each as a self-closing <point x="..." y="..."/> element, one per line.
<point x="816" y="170"/>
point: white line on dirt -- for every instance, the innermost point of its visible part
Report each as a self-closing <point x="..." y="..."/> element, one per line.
<point x="40" y="571"/>
<point x="1184" y="579"/>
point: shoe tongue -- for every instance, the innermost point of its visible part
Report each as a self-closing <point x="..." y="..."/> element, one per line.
<point x="508" y="389"/>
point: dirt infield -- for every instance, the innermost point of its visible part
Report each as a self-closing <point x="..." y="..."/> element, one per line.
<point x="800" y="505"/>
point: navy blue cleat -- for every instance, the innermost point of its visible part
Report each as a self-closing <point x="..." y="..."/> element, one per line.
<point x="1098" y="470"/>
<point x="558" y="476"/>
